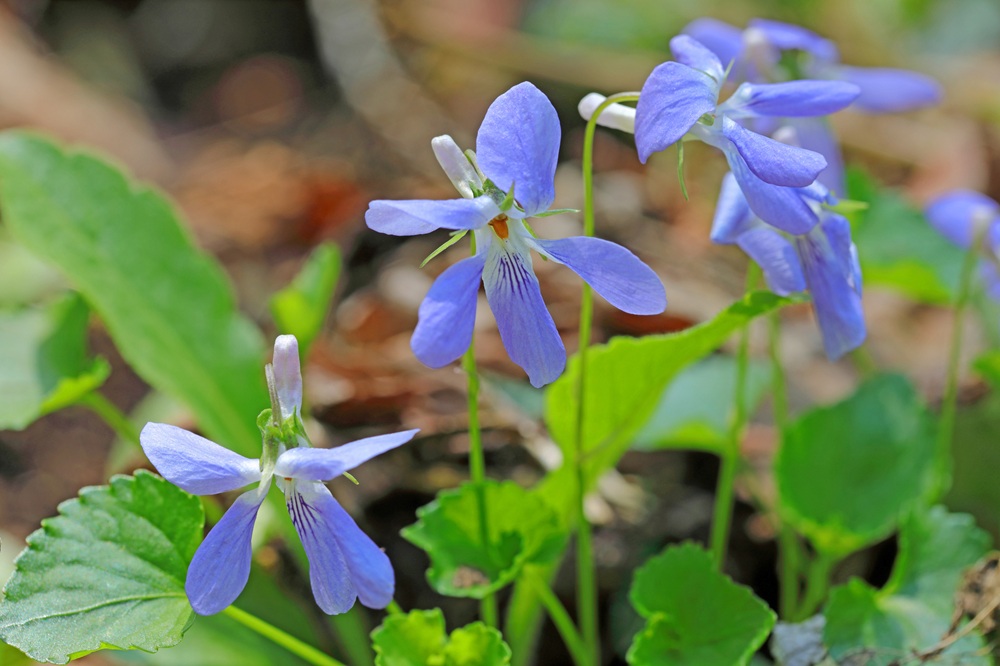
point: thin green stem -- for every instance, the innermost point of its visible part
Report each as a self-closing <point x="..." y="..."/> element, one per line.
<point x="779" y="391"/>
<point x="586" y="572"/>
<point x="477" y="471"/>
<point x="394" y="608"/>
<point x="817" y="585"/>
<point x="560" y="617"/>
<point x="113" y="416"/>
<point x="285" y="640"/>
<point x="729" y="463"/>
<point x="949" y="402"/>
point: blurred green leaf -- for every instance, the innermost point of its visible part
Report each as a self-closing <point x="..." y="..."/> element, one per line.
<point x="899" y="249"/>
<point x="695" y="616"/>
<point x="43" y="361"/>
<point x="106" y="573"/>
<point x="522" y="529"/>
<point x="694" y="410"/>
<point x="300" y="308"/>
<point x="625" y="24"/>
<point x="913" y="611"/>
<point x="847" y="473"/>
<point x="167" y="305"/>
<point x="418" y="639"/>
<point x="24" y="278"/>
<point x="626" y="379"/>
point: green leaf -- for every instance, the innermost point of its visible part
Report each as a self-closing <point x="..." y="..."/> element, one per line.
<point x="913" y="611"/>
<point x="625" y="380"/>
<point x="898" y="248"/>
<point x="418" y="639"/>
<point x="522" y="529"/>
<point x="847" y="472"/>
<point x="300" y="308"/>
<point x="455" y="237"/>
<point x="167" y="305"/>
<point x="43" y="361"/>
<point x="107" y="572"/>
<point x="695" y="615"/>
<point x="693" y="412"/>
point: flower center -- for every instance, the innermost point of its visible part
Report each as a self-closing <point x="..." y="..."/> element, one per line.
<point x="499" y="224"/>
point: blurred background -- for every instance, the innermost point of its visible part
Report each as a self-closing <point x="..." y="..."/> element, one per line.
<point x="273" y="123"/>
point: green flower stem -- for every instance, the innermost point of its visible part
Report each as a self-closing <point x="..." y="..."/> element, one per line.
<point x="817" y="585"/>
<point x="287" y="641"/>
<point x="586" y="571"/>
<point x="477" y="471"/>
<point x="113" y="416"/>
<point x="949" y="402"/>
<point x="394" y="609"/>
<point x="730" y="459"/>
<point x="560" y="617"/>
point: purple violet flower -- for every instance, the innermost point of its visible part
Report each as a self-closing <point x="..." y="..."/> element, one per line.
<point x="344" y="563"/>
<point x="823" y="260"/>
<point x="962" y="214"/>
<point x="508" y="179"/>
<point x="680" y="100"/>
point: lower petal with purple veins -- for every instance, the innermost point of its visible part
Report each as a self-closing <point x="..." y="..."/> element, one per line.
<point x="221" y="566"/>
<point x="448" y="313"/>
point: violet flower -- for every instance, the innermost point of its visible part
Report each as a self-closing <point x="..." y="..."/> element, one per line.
<point x="344" y="563"/>
<point x="508" y="179"/>
<point x="960" y="216"/>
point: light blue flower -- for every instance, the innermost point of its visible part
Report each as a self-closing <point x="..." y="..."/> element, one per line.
<point x="680" y="99"/>
<point x="962" y="214"/>
<point x="344" y="563"/>
<point x="508" y="179"/>
<point x="823" y="260"/>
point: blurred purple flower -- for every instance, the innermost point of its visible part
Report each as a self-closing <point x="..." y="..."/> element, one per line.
<point x="823" y="260"/>
<point x="510" y="177"/>
<point x="344" y="563"/>
<point x="680" y="99"/>
<point x="960" y="216"/>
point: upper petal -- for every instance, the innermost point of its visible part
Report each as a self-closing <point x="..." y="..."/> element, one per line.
<point x="332" y="586"/>
<point x="448" y="313"/>
<point x="518" y="146"/>
<point x="723" y="39"/>
<point x="781" y="207"/>
<point x="886" y="90"/>
<point x="221" y="566"/>
<point x="612" y="270"/>
<point x="790" y="99"/>
<point x="772" y="161"/>
<point x="776" y="257"/>
<point x="672" y="100"/>
<point x="526" y="327"/>
<point x="956" y="214"/>
<point x="689" y="51"/>
<point x="421" y="216"/>
<point x="287" y="375"/>
<point x="321" y="464"/>
<point x="194" y="463"/>
<point x="456" y="165"/>
<point x="789" y="37"/>
<point x="615" y="116"/>
<point x="732" y="214"/>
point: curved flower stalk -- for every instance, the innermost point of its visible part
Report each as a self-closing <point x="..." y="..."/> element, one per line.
<point x="961" y="216"/>
<point x="756" y="54"/>
<point x="344" y="563"/>
<point x="508" y="179"/>
<point x="823" y="260"/>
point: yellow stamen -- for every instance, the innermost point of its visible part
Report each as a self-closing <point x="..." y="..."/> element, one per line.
<point x="499" y="224"/>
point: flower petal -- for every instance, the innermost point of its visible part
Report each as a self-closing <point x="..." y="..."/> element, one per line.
<point x="221" y="566"/>
<point x="615" y="116"/>
<point x="772" y="161"/>
<point x="197" y="465"/>
<point x="689" y="51"/>
<point x="776" y="257"/>
<point x="456" y="165"/>
<point x="956" y="214"/>
<point x="518" y="146"/>
<point x="781" y="207"/>
<point x="308" y="505"/>
<point x="886" y="90"/>
<point x="448" y="314"/>
<point x="830" y="265"/>
<point x="323" y="464"/>
<point x="990" y="276"/>
<point x="672" y="100"/>
<point x="817" y="135"/>
<point x="790" y="99"/>
<point x="612" y="270"/>
<point x="287" y="375"/>
<point x="732" y="213"/>
<point x="526" y="327"/>
<point x="420" y="216"/>
<point x="789" y="37"/>
<point x="721" y="38"/>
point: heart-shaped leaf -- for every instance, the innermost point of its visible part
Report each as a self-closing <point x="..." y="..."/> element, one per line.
<point x="418" y="639"/>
